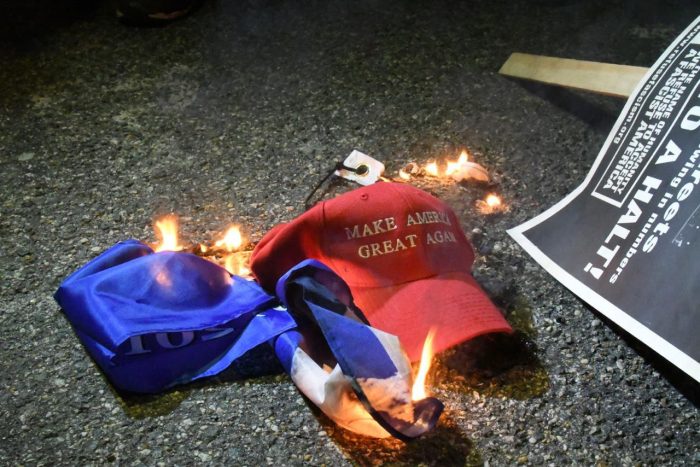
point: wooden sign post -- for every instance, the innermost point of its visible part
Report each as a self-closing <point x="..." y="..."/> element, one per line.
<point x="602" y="78"/>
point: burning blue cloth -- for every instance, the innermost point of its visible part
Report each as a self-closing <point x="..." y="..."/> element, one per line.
<point x="359" y="376"/>
<point x="152" y="321"/>
<point x="155" y="320"/>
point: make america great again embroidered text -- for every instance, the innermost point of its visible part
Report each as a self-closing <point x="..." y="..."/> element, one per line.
<point x="395" y="245"/>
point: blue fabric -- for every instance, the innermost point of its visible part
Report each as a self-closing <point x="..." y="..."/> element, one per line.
<point x="359" y="352"/>
<point x="154" y="320"/>
<point x="285" y="346"/>
<point x="332" y="330"/>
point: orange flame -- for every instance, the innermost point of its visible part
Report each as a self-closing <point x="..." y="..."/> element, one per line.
<point x="167" y="232"/>
<point x="453" y="166"/>
<point x="232" y="240"/>
<point x="432" y="169"/>
<point x="237" y="263"/>
<point x="493" y="201"/>
<point x="418" y="392"/>
<point x="491" y="204"/>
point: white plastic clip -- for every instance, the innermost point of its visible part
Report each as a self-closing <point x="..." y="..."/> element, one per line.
<point x="367" y="169"/>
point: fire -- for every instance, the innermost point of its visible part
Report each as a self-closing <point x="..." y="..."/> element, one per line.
<point x="458" y="169"/>
<point x="232" y="240"/>
<point x="167" y="232"/>
<point x="491" y="204"/>
<point x="493" y="201"/>
<point x="454" y="166"/>
<point x="237" y="264"/>
<point x="432" y="169"/>
<point x="418" y="392"/>
<point x="225" y="252"/>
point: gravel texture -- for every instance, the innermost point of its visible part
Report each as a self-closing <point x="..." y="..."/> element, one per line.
<point x="232" y="115"/>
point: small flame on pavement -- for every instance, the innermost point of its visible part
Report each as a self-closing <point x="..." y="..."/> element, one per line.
<point x="225" y="251"/>
<point x="491" y="204"/>
<point x="459" y="169"/>
<point x="237" y="263"/>
<point x="167" y="232"/>
<point x="493" y="200"/>
<point x="454" y="166"/>
<point x="232" y="239"/>
<point x="432" y="169"/>
<point x="426" y="359"/>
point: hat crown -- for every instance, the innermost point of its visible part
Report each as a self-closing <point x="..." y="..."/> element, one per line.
<point x="389" y="233"/>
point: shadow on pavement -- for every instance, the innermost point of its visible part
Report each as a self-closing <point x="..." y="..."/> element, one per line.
<point x="257" y="363"/>
<point x="497" y="365"/>
<point x="577" y="103"/>
<point x="445" y="445"/>
<point x="23" y="19"/>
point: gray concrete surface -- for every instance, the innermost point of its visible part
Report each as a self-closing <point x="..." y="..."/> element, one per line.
<point x="232" y="115"/>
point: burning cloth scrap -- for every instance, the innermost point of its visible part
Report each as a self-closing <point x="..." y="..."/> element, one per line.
<point x="359" y="376"/>
<point x="155" y="320"/>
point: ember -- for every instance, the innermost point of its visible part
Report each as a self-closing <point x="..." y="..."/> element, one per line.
<point x="409" y="170"/>
<point x="491" y="204"/>
<point x="237" y="263"/>
<point x="460" y="169"/>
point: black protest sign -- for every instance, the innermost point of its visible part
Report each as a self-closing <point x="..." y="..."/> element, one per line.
<point x="627" y="240"/>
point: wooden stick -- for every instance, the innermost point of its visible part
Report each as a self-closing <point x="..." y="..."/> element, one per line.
<point x="603" y="78"/>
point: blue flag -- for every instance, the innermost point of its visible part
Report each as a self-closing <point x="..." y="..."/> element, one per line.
<point x="359" y="376"/>
<point x="154" y="320"/>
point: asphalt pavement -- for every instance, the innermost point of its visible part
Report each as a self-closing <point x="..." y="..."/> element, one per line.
<point x="232" y="115"/>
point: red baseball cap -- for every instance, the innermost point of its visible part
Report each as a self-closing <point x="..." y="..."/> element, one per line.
<point x="404" y="256"/>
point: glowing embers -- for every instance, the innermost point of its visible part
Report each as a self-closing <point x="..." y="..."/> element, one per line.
<point x="460" y="169"/>
<point x="431" y="168"/>
<point x="491" y="204"/>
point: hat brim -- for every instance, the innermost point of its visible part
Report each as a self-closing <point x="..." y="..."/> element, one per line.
<point x="452" y="303"/>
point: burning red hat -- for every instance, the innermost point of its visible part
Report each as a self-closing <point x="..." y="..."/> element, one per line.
<point x="404" y="256"/>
